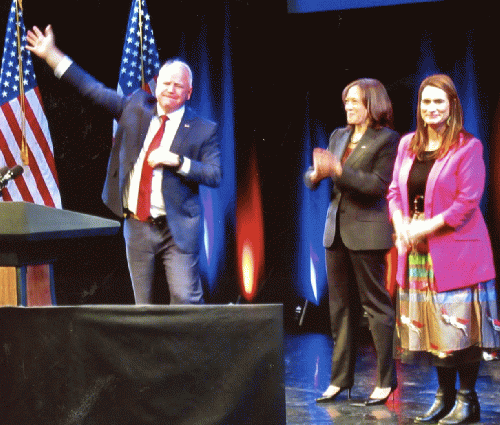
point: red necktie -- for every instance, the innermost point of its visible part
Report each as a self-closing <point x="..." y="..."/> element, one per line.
<point x="144" y="197"/>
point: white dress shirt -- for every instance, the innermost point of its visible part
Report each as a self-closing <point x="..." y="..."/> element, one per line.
<point x="131" y="190"/>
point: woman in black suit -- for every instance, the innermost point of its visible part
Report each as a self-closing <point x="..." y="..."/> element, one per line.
<point x="359" y="161"/>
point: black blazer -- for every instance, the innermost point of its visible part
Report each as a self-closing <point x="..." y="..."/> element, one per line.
<point x="195" y="139"/>
<point x="358" y="197"/>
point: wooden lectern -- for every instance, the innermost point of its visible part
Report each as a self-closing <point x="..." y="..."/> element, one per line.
<point x="28" y="234"/>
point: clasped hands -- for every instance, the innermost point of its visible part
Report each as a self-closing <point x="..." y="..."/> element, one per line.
<point x="409" y="233"/>
<point x="325" y="164"/>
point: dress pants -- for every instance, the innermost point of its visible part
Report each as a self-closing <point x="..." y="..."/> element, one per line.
<point x="356" y="282"/>
<point x="144" y="242"/>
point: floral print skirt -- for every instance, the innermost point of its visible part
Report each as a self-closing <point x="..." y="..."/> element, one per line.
<point x="445" y="322"/>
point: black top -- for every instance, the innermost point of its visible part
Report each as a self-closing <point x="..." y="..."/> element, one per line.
<point x="417" y="181"/>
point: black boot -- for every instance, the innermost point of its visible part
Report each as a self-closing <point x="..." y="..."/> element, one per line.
<point x="465" y="411"/>
<point x="443" y="404"/>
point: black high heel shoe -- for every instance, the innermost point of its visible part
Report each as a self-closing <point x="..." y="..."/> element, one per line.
<point x="377" y="401"/>
<point x="330" y="398"/>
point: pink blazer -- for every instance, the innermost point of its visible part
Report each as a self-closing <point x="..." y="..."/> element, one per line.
<point x="462" y="254"/>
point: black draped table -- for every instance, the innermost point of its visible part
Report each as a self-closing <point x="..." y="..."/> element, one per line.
<point x="210" y="364"/>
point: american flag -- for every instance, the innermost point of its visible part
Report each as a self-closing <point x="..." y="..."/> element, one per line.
<point x="140" y="62"/>
<point x="24" y="114"/>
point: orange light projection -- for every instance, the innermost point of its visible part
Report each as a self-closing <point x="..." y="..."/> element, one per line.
<point x="250" y="232"/>
<point x="247" y="268"/>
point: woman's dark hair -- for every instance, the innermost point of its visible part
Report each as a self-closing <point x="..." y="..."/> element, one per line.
<point x="376" y="100"/>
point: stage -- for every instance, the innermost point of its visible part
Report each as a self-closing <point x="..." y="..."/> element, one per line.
<point x="307" y="374"/>
<point x="212" y="364"/>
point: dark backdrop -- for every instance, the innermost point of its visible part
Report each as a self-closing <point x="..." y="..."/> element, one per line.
<point x="282" y="65"/>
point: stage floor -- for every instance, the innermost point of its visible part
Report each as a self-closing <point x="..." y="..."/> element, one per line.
<point x="307" y="374"/>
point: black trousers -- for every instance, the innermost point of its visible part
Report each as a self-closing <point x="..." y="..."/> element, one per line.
<point x="356" y="283"/>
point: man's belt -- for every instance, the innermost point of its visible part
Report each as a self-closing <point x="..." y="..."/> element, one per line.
<point x="157" y="221"/>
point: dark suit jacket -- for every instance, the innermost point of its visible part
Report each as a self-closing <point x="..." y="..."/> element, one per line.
<point x="359" y="195"/>
<point x="195" y="139"/>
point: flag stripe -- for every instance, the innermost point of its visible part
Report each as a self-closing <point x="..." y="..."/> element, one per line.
<point x="40" y="153"/>
<point x="38" y="183"/>
<point x="20" y="189"/>
<point x="38" y="120"/>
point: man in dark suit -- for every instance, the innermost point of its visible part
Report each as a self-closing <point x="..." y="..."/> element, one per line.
<point x="161" y="154"/>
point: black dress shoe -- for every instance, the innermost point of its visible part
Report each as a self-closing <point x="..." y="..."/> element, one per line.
<point x="377" y="401"/>
<point x="443" y="403"/>
<point x="330" y="398"/>
<point x="465" y="411"/>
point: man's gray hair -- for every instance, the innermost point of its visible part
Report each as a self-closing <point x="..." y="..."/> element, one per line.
<point x="184" y="64"/>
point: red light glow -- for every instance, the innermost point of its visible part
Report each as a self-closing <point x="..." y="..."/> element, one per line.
<point x="250" y="232"/>
<point x="247" y="268"/>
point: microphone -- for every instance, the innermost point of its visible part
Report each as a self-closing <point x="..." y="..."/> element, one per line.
<point x="3" y="170"/>
<point x="14" y="172"/>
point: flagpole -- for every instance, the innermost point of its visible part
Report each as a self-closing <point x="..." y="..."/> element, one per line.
<point x="24" y="145"/>
<point x="143" y="80"/>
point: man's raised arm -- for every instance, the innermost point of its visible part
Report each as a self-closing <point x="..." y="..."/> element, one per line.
<point x="42" y="44"/>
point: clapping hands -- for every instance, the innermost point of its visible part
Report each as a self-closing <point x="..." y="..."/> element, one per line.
<point x="325" y="164"/>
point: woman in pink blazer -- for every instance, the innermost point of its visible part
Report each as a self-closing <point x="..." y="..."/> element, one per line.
<point x="447" y="296"/>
